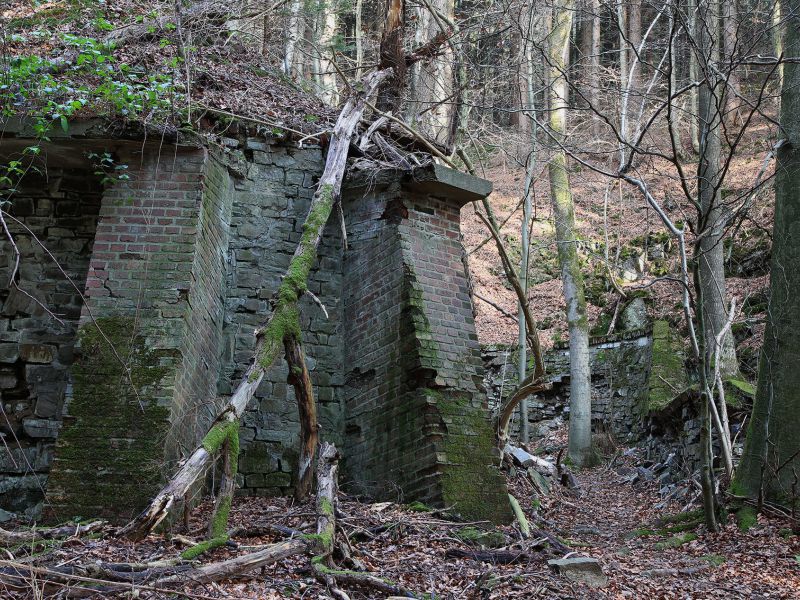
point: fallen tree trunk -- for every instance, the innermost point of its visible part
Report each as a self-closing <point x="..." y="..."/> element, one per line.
<point x="283" y="324"/>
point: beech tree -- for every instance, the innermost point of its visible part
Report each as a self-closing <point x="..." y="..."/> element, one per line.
<point x="580" y="400"/>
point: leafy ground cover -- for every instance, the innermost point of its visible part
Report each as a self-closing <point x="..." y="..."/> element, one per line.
<point x="644" y="551"/>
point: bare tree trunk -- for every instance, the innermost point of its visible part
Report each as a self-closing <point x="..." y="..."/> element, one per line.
<point x="283" y="323"/>
<point x="307" y="407"/>
<point x="730" y="30"/>
<point x="777" y="37"/>
<point x="593" y="76"/>
<point x="694" y="110"/>
<point x="392" y="56"/>
<point x="292" y="36"/>
<point x="711" y="260"/>
<point x="530" y="170"/>
<point x="635" y="42"/>
<point x="710" y="277"/>
<point x="580" y="414"/>
<point x="329" y="20"/>
<point x="430" y="103"/>
<point x="622" y="25"/>
<point x="358" y="34"/>
<point x="771" y="461"/>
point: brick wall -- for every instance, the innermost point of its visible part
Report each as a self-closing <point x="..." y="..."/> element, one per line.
<point x="417" y="423"/>
<point x="186" y="257"/>
<point x="195" y="402"/>
<point x="131" y="337"/>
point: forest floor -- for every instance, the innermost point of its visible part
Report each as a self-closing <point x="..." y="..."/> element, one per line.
<point x="607" y="518"/>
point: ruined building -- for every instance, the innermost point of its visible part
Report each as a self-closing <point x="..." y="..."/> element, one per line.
<point x="137" y="301"/>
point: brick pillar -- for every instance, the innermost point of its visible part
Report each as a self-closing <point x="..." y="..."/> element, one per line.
<point x="148" y="335"/>
<point x="417" y="420"/>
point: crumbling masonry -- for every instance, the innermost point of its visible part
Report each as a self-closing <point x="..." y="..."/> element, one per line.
<point x="177" y="266"/>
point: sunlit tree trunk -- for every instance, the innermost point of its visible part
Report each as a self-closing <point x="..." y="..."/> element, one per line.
<point x="292" y="36"/>
<point x="580" y="415"/>
<point x="328" y="20"/>
<point x="711" y="261"/>
<point x="694" y="111"/>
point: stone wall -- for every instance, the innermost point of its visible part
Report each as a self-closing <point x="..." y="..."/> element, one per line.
<point x="38" y="322"/>
<point x="620" y="366"/>
<point x="271" y="198"/>
<point x="187" y="254"/>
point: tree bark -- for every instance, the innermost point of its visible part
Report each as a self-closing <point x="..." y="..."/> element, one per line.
<point x="730" y="30"/>
<point x="711" y="258"/>
<point x="328" y="22"/>
<point x="292" y="36"/>
<point x="430" y="104"/>
<point x="694" y="111"/>
<point x="307" y="408"/>
<point x="392" y="56"/>
<point x="593" y="66"/>
<point x="283" y="322"/>
<point x="770" y="466"/>
<point x="580" y="415"/>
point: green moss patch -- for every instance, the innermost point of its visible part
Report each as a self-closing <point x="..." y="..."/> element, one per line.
<point x="470" y="483"/>
<point x="746" y="517"/>
<point x="667" y="373"/>
<point x="110" y="453"/>
<point x="676" y="541"/>
<point x="489" y="539"/>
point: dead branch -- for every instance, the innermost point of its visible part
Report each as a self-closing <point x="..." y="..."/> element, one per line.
<point x="15" y="538"/>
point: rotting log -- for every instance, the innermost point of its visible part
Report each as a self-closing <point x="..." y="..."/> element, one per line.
<point x="283" y="323"/>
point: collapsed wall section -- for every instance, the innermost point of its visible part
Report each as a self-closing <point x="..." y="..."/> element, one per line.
<point x="620" y="376"/>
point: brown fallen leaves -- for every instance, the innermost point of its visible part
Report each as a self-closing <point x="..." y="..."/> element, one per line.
<point x="410" y="547"/>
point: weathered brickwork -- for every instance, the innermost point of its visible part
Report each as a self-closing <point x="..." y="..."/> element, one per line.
<point x="195" y="401"/>
<point x="139" y="282"/>
<point x="417" y="424"/>
<point x="179" y="266"/>
<point x="59" y="207"/>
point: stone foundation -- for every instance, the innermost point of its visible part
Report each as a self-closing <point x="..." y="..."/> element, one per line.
<point x="186" y="255"/>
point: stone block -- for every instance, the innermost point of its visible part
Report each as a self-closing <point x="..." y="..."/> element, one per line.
<point x="40" y="428"/>
<point x="580" y="570"/>
<point x="37" y="353"/>
<point x="9" y="353"/>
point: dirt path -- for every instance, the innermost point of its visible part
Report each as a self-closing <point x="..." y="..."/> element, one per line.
<point x="619" y="525"/>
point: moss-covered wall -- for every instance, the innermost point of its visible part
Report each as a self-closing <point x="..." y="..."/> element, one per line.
<point x="112" y="451"/>
<point x="109" y="454"/>
<point x="417" y="421"/>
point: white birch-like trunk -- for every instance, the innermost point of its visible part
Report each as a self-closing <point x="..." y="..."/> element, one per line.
<point x="580" y="414"/>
